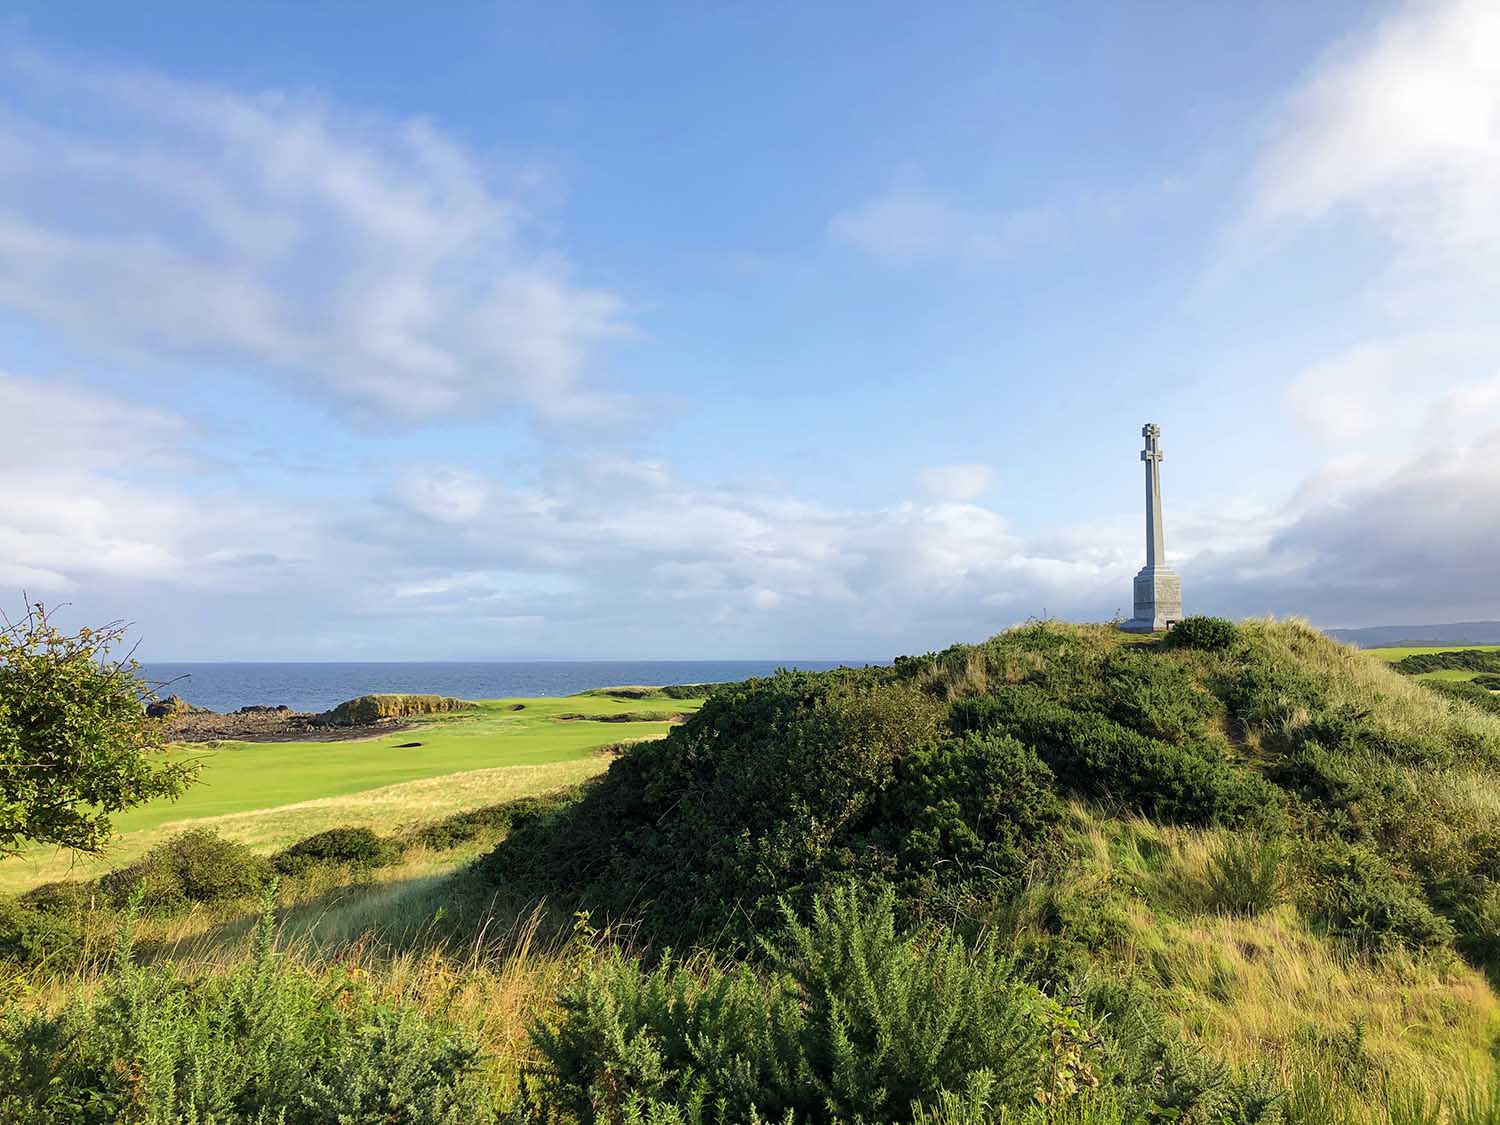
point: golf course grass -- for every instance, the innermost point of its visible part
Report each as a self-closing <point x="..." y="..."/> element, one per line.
<point x="270" y="794"/>
<point x="1391" y="655"/>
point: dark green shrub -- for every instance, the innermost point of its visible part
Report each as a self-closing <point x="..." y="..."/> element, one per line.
<point x="1095" y="756"/>
<point x="1464" y="660"/>
<point x="1207" y="634"/>
<point x="265" y="1043"/>
<point x="31" y="937"/>
<point x="772" y="789"/>
<point x="358" y="848"/>
<point x="1488" y="681"/>
<point x="1470" y="691"/>
<point x="983" y="805"/>
<point x="849" y="1021"/>
<point x="1151" y="695"/>
<point x="198" y="866"/>
<point x="492" y="820"/>
<point x="1476" y="918"/>
<point x="1358" y="896"/>
<point x="67" y="897"/>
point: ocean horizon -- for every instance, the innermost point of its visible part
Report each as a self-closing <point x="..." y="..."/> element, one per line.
<point x="320" y="685"/>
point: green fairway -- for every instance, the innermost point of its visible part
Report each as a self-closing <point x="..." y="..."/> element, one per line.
<point x="239" y="776"/>
<point x="269" y="794"/>
<point x="1391" y="655"/>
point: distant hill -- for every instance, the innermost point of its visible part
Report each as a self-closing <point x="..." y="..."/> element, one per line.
<point x="1459" y="633"/>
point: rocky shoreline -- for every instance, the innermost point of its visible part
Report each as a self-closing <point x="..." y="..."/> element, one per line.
<point x="270" y="725"/>
<point x="360" y="718"/>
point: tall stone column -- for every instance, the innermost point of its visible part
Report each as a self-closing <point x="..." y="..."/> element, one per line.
<point x="1158" y="590"/>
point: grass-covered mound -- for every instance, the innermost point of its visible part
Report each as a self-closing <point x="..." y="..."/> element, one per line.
<point x="372" y="708"/>
<point x="950" y="778"/>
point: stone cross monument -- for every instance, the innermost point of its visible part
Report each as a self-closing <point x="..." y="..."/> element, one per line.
<point x="1158" y="590"/>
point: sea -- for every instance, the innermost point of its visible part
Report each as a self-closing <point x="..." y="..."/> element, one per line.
<point x="320" y="686"/>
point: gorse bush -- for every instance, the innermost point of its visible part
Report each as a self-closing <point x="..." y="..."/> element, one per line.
<point x="492" y="820"/>
<point x="851" y="1020"/>
<point x="266" y="1043"/>
<point x="1096" y="756"/>
<point x="358" y="848"/>
<point x="198" y="866"/>
<point x="772" y="789"/>
<point x="32" y="937"/>
<point x="1210" y="634"/>
<point x="1359" y="896"/>
<point x="1464" y="659"/>
<point x="1476" y="691"/>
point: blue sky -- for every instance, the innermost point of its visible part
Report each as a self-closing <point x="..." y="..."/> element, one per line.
<point x="756" y="331"/>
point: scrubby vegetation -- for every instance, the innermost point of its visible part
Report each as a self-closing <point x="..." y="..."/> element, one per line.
<point x="1470" y="691"/>
<point x="1234" y="874"/>
<point x="1462" y="659"/>
<point x="372" y="708"/>
<point x="265" y="1042"/>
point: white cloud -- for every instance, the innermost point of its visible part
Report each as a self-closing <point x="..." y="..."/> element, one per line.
<point x="1344" y="398"/>
<point x="955" y="482"/>
<point x="608" y="556"/>
<point x="1402" y="125"/>
<point x="373" y="263"/>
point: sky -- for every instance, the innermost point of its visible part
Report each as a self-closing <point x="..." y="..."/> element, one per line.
<point x="568" y="330"/>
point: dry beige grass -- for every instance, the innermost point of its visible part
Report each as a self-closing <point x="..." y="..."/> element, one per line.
<point x="1268" y="989"/>
<point x="1359" y="682"/>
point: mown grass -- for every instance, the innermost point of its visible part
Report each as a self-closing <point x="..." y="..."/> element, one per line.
<point x="269" y="794"/>
<point x="1391" y="655"/>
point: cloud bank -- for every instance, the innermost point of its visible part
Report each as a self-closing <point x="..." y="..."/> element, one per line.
<point x="372" y="264"/>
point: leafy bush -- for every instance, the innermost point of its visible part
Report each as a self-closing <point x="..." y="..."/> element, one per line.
<point x="198" y="866"/>
<point x="1358" y="896"/>
<point x="75" y="743"/>
<point x="1488" y="681"/>
<point x="337" y="847"/>
<point x="1207" y="634"/>
<point x="1246" y="875"/>
<point x="266" y="1043"/>
<point x="31" y="937"/>
<point x="1150" y="695"/>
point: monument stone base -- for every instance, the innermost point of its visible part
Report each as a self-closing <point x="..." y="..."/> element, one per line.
<point x="1158" y="600"/>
